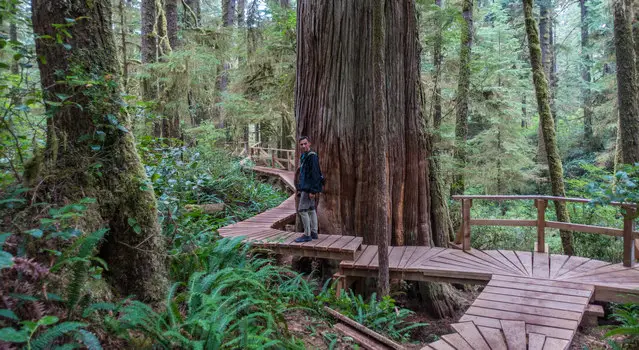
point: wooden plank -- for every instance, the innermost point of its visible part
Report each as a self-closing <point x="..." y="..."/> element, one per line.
<point x="492" y="264"/>
<point x="364" y="258"/>
<point x="515" y="334"/>
<point x="537" y="295"/>
<point x="572" y="263"/>
<point x="512" y="257"/>
<point x="541" y="265"/>
<point x="532" y="302"/>
<point x="456" y="341"/>
<point x="358" y="337"/>
<point x="470" y="261"/>
<point x="604" y="270"/>
<point x="556" y="344"/>
<point x="323" y="245"/>
<point x="550" y="331"/>
<point x="353" y="245"/>
<point x="585" y="268"/>
<point x="289" y="240"/>
<point x="471" y="334"/>
<point x="421" y="254"/>
<point x="556" y="263"/>
<point x="395" y="256"/>
<point x="410" y="250"/>
<point x="537" y="288"/>
<point x="542" y="282"/>
<point x="585" y="228"/>
<point x="536" y="341"/>
<point x="481" y="321"/>
<point x="341" y="243"/>
<point x="515" y="316"/>
<point x="441" y="345"/>
<point x="500" y="259"/>
<point x="502" y="222"/>
<point x="494" y="338"/>
<point x="528" y="309"/>
<point x="526" y="260"/>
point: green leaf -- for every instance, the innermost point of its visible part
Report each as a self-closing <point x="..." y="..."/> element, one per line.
<point x="90" y="340"/>
<point x="48" y="320"/>
<point x="6" y="260"/>
<point x="13" y="336"/>
<point x="3" y="238"/>
<point x="46" y="338"/>
<point x="131" y="221"/>
<point x="53" y="103"/>
<point x="96" y="147"/>
<point x="37" y="233"/>
<point x="122" y="128"/>
<point x="62" y="97"/>
<point x="67" y="46"/>
<point x="9" y="314"/>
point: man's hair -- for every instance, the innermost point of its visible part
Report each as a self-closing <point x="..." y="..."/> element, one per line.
<point x="303" y="138"/>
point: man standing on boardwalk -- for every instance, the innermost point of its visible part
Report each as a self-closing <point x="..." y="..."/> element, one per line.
<point x="308" y="188"/>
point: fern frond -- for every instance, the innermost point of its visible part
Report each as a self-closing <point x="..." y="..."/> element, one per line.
<point x="51" y="334"/>
<point x="89" y="340"/>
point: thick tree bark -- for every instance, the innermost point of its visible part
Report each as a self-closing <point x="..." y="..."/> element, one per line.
<point x="547" y="123"/>
<point x="171" y="10"/>
<point x="437" y="62"/>
<point x="627" y="91"/>
<point x="586" y="102"/>
<point x="135" y="256"/>
<point x="463" y="91"/>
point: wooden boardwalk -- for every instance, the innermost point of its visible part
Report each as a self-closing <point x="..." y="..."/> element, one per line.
<point x="531" y="300"/>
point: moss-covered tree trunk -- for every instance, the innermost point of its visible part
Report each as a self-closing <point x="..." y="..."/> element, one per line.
<point x="463" y="90"/>
<point x="171" y="10"/>
<point x="148" y="46"/>
<point x="627" y="90"/>
<point x="90" y="151"/>
<point x="547" y="123"/>
<point x="191" y="13"/>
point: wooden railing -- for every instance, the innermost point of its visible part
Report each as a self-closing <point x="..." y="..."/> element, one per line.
<point x="630" y="236"/>
<point x="272" y="157"/>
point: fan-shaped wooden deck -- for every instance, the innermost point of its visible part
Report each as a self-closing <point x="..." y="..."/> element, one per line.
<point x="532" y="300"/>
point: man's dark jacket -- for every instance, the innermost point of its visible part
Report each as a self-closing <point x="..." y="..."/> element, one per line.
<point x="311" y="178"/>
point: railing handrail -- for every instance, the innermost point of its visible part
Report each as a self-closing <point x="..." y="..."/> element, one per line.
<point x="529" y="197"/>
<point x="541" y="202"/>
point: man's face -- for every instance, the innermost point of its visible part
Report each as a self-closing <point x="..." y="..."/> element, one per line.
<point x="305" y="145"/>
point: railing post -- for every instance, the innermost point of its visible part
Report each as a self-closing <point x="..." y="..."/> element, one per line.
<point x="272" y="159"/>
<point x="628" y="240"/>
<point x="466" y="204"/>
<point x="541" y="205"/>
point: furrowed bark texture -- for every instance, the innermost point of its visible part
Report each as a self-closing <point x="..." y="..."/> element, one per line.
<point x="547" y="123"/>
<point x="135" y="257"/>
<point x="335" y="105"/>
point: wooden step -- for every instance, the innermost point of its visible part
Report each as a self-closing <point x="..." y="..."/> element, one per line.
<point x="471" y="335"/>
<point x="590" y="318"/>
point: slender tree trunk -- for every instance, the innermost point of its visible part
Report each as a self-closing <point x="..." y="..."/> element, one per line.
<point x="135" y="256"/>
<point x="437" y="62"/>
<point x="241" y="8"/>
<point x="586" y="99"/>
<point x="627" y="92"/>
<point x="228" y="16"/>
<point x="545" y="21"/>
<point x="148" y="46"/>
<point x="548" y="125"/>
<point x="380" y="227"/>
<point x="463" y="90"/>
<point x="125" y="60"/>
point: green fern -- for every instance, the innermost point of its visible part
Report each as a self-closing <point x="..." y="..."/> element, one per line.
<point x="53" y="333"/>
<point x="80" y="267"/>
<point x="89" y="340"/>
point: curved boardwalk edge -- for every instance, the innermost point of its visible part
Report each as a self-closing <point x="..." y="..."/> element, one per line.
<point x="531" y="300"/>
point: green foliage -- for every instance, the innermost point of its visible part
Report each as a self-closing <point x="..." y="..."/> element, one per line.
<point x="51" y="331"/>
<point x="379" y="315"/>
<point x="628" y="317"/>
<point x="238" y="301"/>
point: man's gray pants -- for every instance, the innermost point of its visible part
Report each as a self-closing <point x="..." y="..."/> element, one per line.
<point x="306" y="209"/>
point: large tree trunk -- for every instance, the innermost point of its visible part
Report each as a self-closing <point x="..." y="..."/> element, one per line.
<point x="547" y="123"/>
<point x="589" y="139"/>
<point x="463" y="90"/>
<point x="627" y="93"/>
<point x="135" y="256"/>
<point x="228" y="17"/>
<point x="545" y="35"/>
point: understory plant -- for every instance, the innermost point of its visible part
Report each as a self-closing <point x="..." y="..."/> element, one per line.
<point x="379" y="315"/>
<point x="627" y="315"/>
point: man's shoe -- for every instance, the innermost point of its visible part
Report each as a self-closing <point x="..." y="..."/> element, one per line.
<point x="314" y="235"/>
<point x="303" y="239"/>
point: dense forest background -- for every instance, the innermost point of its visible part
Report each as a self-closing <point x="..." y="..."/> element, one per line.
<point x="185" y="86"/>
